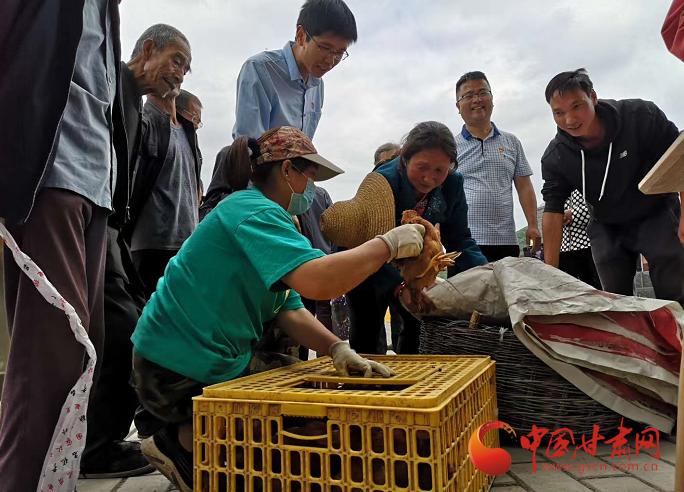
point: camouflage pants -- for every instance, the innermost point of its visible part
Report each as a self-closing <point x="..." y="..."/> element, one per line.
<point x="167" y="395"/>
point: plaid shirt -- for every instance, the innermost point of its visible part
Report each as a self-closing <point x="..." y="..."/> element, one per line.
<point x="489" y="167"/>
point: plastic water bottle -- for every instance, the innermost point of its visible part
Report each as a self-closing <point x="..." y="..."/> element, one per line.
<point x="340" y="317"/>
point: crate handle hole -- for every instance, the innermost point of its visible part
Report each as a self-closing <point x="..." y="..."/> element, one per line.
<point x="305" y="431"/>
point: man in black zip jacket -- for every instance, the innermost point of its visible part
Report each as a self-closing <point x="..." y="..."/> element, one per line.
<point x="604" y="148"/>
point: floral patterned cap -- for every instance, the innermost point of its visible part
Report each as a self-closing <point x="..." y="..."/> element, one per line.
<point x="286" y="142"/>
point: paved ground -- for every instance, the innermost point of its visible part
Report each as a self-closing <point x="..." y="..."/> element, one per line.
<point x="602" y="474"/>
<point x="587" y="473"/>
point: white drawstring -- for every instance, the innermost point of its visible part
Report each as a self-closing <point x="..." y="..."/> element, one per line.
<point x="584" y="179"/>
<point x="605" y="175"/>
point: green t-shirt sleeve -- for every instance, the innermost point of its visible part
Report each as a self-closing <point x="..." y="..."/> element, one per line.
<point x="274" y="247"/>
<point x="293" y="301"/>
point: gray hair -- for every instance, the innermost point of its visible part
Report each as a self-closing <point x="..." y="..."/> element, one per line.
<point x="161" y="35"/>
<point x="386" y="147"/>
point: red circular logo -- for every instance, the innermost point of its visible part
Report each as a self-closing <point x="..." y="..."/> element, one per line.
<point x="492" y="461"/>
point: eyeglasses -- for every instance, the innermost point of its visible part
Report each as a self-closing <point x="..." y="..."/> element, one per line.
<point x="337" y="56"/>
<point x="483" y="94"/>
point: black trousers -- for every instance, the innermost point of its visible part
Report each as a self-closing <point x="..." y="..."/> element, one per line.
<point x="368" y="306"/>
<point x="497" y="252"/>
<point x="580" y="264"/>
<point x="616" y="248"/>
<point x="113" y="400"/>
<point x="150" y="265"/>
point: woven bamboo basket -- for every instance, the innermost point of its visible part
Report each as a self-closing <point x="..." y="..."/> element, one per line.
<point x="528" y="391"/>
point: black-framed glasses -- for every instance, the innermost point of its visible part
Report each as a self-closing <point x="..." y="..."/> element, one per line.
<point x="483" y="94"/>
<point x="337" y="56"/>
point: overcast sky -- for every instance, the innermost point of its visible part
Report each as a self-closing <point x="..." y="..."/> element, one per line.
<point x="408" y="57"/>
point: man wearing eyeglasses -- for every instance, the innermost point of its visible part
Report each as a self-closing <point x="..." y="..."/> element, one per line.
<point x="284" y="87"/>
<point x="491" y="161"/>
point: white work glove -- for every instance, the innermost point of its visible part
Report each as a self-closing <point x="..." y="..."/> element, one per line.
<point x="404" y="241"/>
<point x="346" y="360"/>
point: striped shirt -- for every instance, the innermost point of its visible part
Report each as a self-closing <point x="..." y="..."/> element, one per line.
<point x="489" y="167"/>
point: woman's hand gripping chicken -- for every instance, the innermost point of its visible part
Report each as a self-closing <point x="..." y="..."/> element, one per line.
<point x="421" y="272"/>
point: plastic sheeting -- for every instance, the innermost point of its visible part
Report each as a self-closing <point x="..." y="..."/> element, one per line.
<point x="622" y="351"/>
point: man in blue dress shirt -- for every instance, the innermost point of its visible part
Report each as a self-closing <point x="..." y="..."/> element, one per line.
<point x="284" y="87"/>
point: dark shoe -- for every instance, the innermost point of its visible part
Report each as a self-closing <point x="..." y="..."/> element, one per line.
<point x="146" y="424"/>
<point x="167" y="455"/>
<point x="118" y="459"/>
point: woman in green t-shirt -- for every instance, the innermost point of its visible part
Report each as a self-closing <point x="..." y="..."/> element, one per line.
<point x="244" y="265"/>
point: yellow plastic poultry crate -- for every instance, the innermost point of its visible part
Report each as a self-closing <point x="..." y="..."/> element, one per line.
<point x="304" y="429"/>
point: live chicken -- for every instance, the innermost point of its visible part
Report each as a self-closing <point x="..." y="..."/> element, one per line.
<point x="421" y="272"/>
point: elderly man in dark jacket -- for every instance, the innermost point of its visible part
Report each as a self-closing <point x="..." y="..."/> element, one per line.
<point x="113" y="402"/>
<point x="61" y="180"/>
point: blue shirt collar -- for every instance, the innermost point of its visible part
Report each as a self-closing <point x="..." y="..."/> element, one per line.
<point x="293" y="69"/>
<point x="466" y="134"/>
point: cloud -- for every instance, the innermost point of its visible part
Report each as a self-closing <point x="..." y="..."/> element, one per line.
<point x="410" y="54"/>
